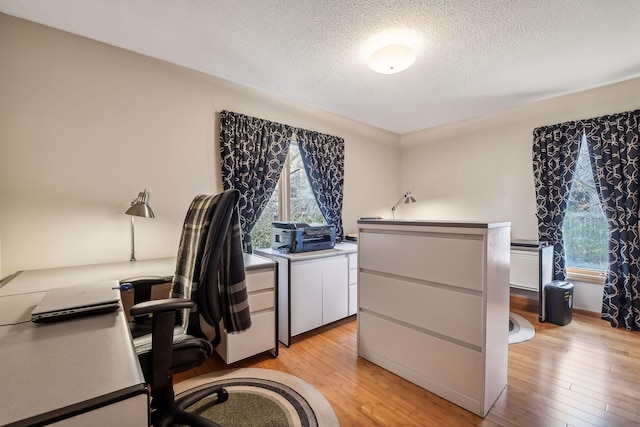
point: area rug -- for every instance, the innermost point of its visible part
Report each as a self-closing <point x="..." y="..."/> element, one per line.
<point x="520" y="329"/>
<point x="261" y="397"/>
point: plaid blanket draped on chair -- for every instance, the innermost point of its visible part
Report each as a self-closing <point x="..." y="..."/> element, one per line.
<point x="198" y="249"/>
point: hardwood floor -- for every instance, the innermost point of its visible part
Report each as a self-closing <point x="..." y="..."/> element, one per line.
<point x="582" y="374"/>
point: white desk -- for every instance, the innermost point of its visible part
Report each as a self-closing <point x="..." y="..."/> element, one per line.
<point x="77" y="372"/>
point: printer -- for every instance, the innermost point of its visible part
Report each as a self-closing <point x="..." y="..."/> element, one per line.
<point x="294" y="237"/>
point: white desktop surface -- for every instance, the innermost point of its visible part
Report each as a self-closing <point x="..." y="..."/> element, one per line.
<point x="45" y="279"/>
<point x="51" y="370"/>
<point x="17" y="308"/>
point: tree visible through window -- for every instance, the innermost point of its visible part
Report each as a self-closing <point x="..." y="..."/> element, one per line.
<point x="301" y="202"/>
<point x="585" y="226"/>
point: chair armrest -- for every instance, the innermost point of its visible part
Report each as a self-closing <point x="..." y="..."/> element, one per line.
<point x="163" y="319"/>
<point x="142" y="286"/>
<point x="161" y="306"/>
<point x="152" y="280"/>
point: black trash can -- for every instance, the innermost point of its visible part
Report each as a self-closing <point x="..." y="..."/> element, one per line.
<point x="558" y="302"/>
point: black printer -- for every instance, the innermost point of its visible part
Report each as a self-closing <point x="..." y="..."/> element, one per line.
<point x="294" y="237"/>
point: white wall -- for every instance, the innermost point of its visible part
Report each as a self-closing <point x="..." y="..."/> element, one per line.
<point x="482" y="168"/>
<point x="85" y="126"/>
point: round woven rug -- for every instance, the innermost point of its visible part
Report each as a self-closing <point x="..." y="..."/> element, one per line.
<point x="520" y="329"/>
<point x="260" y="397"/>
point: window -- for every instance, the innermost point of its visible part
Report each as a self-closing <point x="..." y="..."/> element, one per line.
<point x="293" y="200"/>
<point x="585" y="226"/>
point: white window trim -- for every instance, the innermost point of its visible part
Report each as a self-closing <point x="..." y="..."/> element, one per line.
<point x="585" y="275"/>
<point x="285" y="191"/>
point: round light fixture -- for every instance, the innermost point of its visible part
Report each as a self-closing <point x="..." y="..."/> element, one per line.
<point x="392" y="59"/>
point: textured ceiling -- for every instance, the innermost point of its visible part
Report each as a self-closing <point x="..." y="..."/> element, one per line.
<point x="474" y="56"/>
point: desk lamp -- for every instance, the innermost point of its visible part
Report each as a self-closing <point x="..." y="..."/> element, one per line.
<point x="139" y="207"/>
<point x="407" y="197"/>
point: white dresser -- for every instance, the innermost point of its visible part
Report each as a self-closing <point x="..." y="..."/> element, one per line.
<point x="353" y="283"/>
<point x="433" y="305"/>
<point x="261" y="286"/>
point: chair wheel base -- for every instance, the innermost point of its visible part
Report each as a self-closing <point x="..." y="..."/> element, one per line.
<point x="179" y="415"/>
<point x="223" y="396"/>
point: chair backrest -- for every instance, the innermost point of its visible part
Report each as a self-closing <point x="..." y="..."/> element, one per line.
<point x="205" y="233"/>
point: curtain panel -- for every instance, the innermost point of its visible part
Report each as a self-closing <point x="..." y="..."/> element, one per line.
<point x="555" y="152"/>
<point x="614" y="150"/>
<point x="323" y="159"/>
<point x="253" y="152"/>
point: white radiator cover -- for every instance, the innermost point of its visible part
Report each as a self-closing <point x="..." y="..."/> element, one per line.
<point x="531" y="268"/>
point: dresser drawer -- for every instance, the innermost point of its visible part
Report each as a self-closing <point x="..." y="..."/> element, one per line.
<point x="436" y="364"/>
<point x="353" y="260"/>
<point x="448" y="259"/>
<point x="259" y="280"/>
<point x="353" y="299"/>
<point x="261" y="301"/>
<point x="353" y="269"/>
<point x="353" y="276"/>
<point x="437" y="310"/>
<point x="260" y="337"/>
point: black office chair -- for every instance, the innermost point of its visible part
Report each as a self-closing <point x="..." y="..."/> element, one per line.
<point x="209" y="262"/>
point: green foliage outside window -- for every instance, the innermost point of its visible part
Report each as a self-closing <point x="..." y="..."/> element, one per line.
<point x="261" y="233"/>
<point x="585" y="229"/>
<point x="302" y="203"/>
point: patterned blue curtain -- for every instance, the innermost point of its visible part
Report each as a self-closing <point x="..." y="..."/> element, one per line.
<point x="323" y="159"/>
<point x="253" y="152"/>
<point x="555" y="152"/>
<point x="614" y="150"/>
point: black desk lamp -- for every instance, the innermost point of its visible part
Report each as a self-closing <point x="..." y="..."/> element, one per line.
<point x="139" y="207"/>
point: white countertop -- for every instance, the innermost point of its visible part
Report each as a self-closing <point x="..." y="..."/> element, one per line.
<point x="435" y="223"/>
<point x="343" y="248"/>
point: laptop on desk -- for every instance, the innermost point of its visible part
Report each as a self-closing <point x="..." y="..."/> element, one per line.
<point x="73" y="301"/>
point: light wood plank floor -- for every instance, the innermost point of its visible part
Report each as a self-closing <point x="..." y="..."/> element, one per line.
<point x="582" y="374"/>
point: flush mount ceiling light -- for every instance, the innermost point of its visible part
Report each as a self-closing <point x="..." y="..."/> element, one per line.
<point x="391" y="59"/>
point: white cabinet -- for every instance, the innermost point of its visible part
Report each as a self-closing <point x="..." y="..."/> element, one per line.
<point x="319" y="292"/>
<point x="261" y="286"/>
<point x="353" y="284"/>
<point x="314" y="288"/>
<point x="434" y="305"/>
<point x="335" y="289"/>
<point x="306" y="296"/>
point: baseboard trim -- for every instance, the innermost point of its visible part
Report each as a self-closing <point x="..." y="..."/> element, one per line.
<point x="587" y="313"/>
<point x="523" y="303"/>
